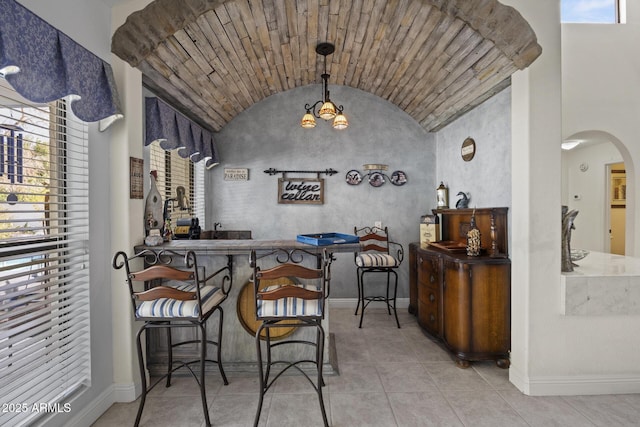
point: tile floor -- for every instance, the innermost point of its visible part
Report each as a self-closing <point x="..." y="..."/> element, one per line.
<point x="388" y="377"/>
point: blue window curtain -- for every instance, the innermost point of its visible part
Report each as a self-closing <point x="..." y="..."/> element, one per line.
<point x="43" y="64"/>
<point x="175" y="131"/>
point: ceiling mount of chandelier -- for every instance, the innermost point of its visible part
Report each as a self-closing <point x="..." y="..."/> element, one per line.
<point x="328" y="110"/>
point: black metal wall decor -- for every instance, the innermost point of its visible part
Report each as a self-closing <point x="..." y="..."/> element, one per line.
<point x="376" y="176"/>
<point x="308" y="191"/>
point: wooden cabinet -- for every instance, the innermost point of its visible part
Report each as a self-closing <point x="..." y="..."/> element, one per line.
<point x="465" y="302"/>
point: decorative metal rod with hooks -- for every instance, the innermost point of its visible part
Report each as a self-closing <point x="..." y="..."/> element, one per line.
<point x="273" y="171"/>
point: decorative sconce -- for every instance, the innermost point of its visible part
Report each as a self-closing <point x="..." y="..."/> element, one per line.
<point x="376" y="176"/>
<point x="328" y="110"/>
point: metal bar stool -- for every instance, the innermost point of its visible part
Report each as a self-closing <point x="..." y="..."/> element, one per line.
<point x="378" y="255"/>
<point x="295" y="298"/>
<point x="181" y="299"/>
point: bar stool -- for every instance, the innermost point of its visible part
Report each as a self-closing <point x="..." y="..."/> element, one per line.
<point x="378" y="255"/>
<point x="176" y="298"/>
<point x="295" y="297"/>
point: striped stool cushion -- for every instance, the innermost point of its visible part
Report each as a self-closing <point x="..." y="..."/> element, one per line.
<point x="290" y="307"/>
<point x="167" y="307"/>
<point x="376" y="260"/>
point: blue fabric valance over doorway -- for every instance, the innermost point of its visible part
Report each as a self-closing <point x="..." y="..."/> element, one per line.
<point x="175" y="131"/>
<point x="43" y="64"/>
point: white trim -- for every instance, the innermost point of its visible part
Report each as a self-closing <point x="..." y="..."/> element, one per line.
<point x="94" y="410"/>
<point x="126" y="392"/>
<point x="581" y="385"/>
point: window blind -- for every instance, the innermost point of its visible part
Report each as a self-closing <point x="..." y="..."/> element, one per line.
<point x="44" y="260"/>
<point x="176" y="182"/>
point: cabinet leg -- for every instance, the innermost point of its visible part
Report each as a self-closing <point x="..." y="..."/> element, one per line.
<point x="463" y="364"/>
<point x="503" y="363"/>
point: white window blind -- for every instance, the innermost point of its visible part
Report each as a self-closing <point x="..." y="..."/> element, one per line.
<point x="44" y="261"/>
<point x="176" y="177"/>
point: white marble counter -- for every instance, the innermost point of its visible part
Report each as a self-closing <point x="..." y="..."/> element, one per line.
<point x="602" y="284"/>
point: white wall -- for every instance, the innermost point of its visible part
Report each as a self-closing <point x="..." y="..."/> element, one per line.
<point x="601" y="92"/>
<point x="552" y="353"/>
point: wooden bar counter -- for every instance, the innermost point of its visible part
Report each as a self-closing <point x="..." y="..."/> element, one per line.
<point x="238" y="340"/>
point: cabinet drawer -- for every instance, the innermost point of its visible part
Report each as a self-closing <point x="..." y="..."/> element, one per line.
<point x="428" y="271"/>
<point x="428" y="317"/>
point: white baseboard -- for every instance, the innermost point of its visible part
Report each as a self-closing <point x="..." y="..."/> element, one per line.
<point x="576" y="385"/>
<point x="91" y="412"/>
<point x="126" y="392"/>
<point x="352" y="302"/>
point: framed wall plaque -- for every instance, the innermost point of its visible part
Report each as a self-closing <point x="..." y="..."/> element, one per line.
<point x="468" y="149"/>
<point x="301" y="191"/>
<point x="136" y="178"/>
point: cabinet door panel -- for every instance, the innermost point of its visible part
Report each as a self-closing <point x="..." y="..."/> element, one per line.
<point x="490" y="309"/>
<point x="456" y="306"/>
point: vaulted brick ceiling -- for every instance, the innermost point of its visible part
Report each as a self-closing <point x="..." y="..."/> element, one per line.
<point x="434" y="59"/>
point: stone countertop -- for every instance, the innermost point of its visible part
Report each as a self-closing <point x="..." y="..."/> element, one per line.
<point x="602" y="284"/>
<point x="598" y="264"/>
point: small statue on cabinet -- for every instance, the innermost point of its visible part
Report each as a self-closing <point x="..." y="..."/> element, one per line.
<point x="462" y="203"/>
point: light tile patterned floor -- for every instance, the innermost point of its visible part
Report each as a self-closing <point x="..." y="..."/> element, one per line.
<point x="388" y="377"/>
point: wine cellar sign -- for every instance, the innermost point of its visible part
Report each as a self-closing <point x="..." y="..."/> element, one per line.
<point x="301" y="190"/>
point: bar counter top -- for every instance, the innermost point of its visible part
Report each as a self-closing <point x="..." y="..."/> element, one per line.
<point x="244" y="247"/>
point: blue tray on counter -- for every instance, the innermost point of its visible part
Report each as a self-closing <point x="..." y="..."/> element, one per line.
<point x="323" y="239"/>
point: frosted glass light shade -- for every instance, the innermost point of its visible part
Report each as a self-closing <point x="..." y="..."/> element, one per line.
<point x="327" y="111"/>
<point x="308" y="121"/>
<point x="340" y="122"/>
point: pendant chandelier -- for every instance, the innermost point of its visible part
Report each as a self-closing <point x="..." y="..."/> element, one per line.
<point x="328" y="110"/>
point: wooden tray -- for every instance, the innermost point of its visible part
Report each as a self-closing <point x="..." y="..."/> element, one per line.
<point x="449" y="246"/>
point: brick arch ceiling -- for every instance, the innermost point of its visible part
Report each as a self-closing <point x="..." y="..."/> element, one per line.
<point x="434" y="59"/>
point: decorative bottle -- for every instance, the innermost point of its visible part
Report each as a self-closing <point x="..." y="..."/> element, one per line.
<point x="473" y="238"/>
<point x="153" y="219"/>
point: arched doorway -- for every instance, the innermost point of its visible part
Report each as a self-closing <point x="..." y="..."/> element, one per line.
<point x="596" y="182"/>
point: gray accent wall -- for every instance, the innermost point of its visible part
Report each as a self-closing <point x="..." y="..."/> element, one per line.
<point x="268" y="135"/>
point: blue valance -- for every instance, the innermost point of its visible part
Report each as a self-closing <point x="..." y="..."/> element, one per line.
<point x="43" y="64"/>
<point x="175" y="131"/>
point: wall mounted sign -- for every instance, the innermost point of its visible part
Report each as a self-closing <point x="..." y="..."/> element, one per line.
<point x="468" y="149"/>
<point x="376" y="176"/>
<point x="136" y="176"/>
<point x="236" y="174"/>
<point x="301" y="190"/>
<point x="308" y="191"/>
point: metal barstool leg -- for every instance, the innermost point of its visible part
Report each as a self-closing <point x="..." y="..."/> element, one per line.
<point x="143" y="377"/>
<point x="203" y="360"/>
<point x="261" y="373"/>
<point x="395" y="291"/>
<point x="362" y="297"/>
<point x="219" y="345"/>
<point x="170" y="354"/>
<point x="319" y="362"/>
<point x="387" y="297"/>
<point x="359" y="291"/>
